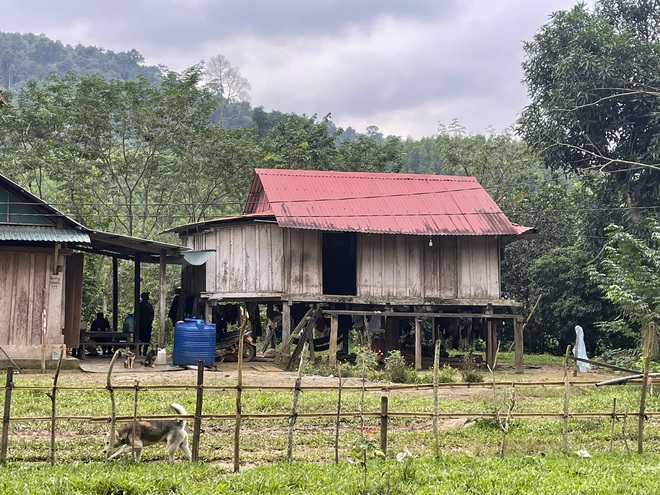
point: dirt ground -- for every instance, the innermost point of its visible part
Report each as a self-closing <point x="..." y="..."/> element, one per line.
<point x="262" y="372"/>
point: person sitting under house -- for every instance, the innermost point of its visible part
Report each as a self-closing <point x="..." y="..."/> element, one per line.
<point x="101" y="324"/>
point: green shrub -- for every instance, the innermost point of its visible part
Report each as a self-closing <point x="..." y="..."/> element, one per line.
<point x="396" y="369"/>
<point x="447" y="374"/>
<point x="472" y="376"/>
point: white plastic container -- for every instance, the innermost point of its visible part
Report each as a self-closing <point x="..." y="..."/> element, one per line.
<point x="161" y="357"/>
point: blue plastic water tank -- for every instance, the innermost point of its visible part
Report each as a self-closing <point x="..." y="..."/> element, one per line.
<point x="194" y="340"/>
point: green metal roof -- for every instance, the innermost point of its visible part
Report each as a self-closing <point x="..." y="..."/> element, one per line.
<point x="42" y="234"/>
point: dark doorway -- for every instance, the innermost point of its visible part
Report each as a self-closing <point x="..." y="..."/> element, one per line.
<point x="339" y="263"/>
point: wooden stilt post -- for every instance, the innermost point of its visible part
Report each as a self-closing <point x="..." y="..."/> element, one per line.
<point x="518" y="325"/>
<point x="490" y="338"/>
<point x="162" y="296"/>
<point x="332" y="350"/>
<point x="286" y="328"/>
<point x="418" y="344"/>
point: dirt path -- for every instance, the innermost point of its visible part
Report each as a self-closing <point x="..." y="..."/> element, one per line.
<point x="264" y="373"/>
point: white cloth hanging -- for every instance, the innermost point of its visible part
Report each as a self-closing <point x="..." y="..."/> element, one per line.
<point x="580" y="350"/>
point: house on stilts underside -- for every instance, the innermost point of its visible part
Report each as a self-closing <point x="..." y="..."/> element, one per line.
<point x="406" y="247"/>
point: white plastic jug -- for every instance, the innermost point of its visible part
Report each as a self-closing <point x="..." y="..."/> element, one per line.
<point x="161" y="357"/>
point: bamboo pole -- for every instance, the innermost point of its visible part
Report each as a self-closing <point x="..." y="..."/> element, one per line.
<point x="239" y="391"/>
<point x="53" y="409"/>
<point x="197" y="428"/>
<point x="612" y="424"/>
<point x="623" y="431"/>
<point x="338" y="417"/>
<point x="9" y="384"/>
<point x="113" y="405"/>
<point x="566" y="398"/>
<point x="436" y="371"/>
<point x="294" y="406"/>
<point x="135" y="421"/>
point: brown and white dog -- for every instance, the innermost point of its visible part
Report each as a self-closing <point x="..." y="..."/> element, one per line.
<point x="170" y="432"/>
<point x="129" y="358"/>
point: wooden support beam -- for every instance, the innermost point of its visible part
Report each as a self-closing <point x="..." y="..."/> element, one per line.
<point x="162" y="299"/>
<point x="115" y="294"/>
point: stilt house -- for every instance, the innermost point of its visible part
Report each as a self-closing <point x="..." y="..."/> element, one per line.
<point x="415" y="246"/>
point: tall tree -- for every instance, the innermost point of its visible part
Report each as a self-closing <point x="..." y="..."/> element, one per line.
<point x="110" y="150"/>
<point x="227" y="84"/>
<point x="594" y="82"/>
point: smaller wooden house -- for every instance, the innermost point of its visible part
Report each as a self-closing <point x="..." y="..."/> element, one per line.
<point x="41" y="273"/>
<point x="350" y="240"/>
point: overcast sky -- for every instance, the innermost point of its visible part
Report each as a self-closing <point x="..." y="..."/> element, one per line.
<point x="402" y="65"/>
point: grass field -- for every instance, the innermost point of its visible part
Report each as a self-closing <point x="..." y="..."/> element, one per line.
<point x="468" y="459"/>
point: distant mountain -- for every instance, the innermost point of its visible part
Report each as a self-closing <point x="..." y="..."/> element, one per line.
<point x="29" y="56"/>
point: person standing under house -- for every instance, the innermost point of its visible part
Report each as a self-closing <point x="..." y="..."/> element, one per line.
<point x="146" y="323"/>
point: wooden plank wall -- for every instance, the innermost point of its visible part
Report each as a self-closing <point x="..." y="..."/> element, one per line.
<point x="27" y="287"/>
<point x="248" y="259"/>
<point x="478" y="272"/>
<point x="408" y="267"/>
<point x="305" y="263"/>
<point x="390" y="266"/>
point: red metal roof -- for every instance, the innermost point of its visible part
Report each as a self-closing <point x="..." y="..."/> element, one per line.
<point x="378" y="203"/>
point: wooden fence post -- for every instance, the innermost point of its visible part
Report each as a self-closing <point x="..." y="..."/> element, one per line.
<point x="338" y="418"/>
<point x="612" y="425"/>
<point x="113" y="406"/>
<point x="239" y="390"/>
<point x="294" y="405"/>
<point x="197" y="427"/>
<point x="53" y="408"/>
<point x="5" y="415"/>
<point x="135" y="421"/>
<point x="566" y="398"/>
<point x="383" y="424"/>
<point x="436" y="371"/>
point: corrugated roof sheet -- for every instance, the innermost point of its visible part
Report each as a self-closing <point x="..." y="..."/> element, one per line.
<point x="36" y="234"/>
<point x="378" y="203"/>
